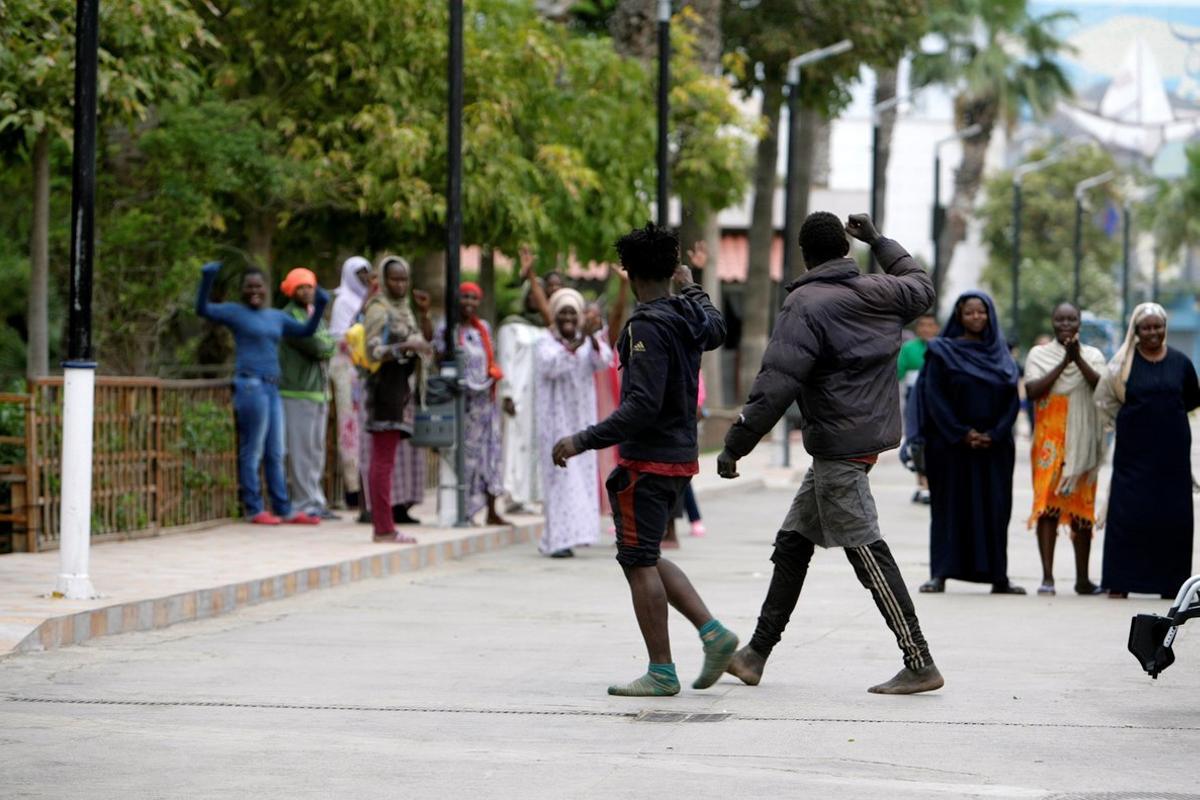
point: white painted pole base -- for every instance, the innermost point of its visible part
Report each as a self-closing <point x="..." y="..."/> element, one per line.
<point x="75" y="529"/>
<point x="447" y="496"/>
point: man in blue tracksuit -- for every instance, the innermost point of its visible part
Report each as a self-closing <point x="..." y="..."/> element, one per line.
<point x="654" y="428"/>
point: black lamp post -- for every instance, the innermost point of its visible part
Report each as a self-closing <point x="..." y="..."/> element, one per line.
<point x="1081" y="190"/>
<point x="939" y="215"/>
<point x="79" y="370"/>
<point x="790" y="223"/>
<point x="664" y="85"/>
<point x="452" y="367"/>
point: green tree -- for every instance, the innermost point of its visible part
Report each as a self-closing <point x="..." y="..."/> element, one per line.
<point x="1173" y="213"/>
<point x="761" y="36"/>
<point x="1047" y="241"/>
<point x="1001" y="59"/>
<point x="147" y="52"/>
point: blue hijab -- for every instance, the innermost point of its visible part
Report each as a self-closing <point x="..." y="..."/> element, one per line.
<point x="988" y="359"/>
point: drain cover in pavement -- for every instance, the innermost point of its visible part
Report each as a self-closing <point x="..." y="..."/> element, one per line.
<point x="680" y="716"/>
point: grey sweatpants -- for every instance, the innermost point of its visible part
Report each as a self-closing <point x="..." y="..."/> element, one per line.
<point x="305" y="423"/>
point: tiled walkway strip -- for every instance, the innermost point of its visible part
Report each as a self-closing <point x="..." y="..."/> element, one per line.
<point x="160" y="612"/>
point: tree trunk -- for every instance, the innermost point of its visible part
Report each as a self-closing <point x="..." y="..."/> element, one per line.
<point x="634" y="28"/>
<point x="429" y="274"/>
<point x="259" y="239"/>
<point x="762" y="232"/>
<point x="885" y="89"/>
<point x="713" y="364"/>
<point x="804" y="138"/>
<point x="37" y="352"/>
<point x="487" y="280"/>
<point x="967" y="180"/>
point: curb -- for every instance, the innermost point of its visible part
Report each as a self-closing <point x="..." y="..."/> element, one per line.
<point x="162" y="612"/>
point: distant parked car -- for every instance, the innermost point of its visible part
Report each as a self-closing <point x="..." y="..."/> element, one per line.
<point x="1106" y="335"/>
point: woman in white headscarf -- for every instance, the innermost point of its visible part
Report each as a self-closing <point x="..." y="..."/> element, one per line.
<point x="566" y="402"/>
<point x="1068" y="443"/>
<point x="347" y="303"/>
<point x="1147" y="391"/>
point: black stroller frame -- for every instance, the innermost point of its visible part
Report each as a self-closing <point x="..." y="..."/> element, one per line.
<point x="1151" y="635"/>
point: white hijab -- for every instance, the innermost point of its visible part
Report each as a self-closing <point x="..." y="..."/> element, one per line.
<point x="348" y="297"/>
<point x="1110" y="394"/>
<point x="1085" y="431"/>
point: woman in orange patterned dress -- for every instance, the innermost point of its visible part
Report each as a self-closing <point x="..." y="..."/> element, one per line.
<point x="1060" y="379"/>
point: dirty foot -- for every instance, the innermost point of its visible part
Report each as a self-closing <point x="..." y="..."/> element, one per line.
<point x="910" y="681"/>
<point x="747" y="666"/>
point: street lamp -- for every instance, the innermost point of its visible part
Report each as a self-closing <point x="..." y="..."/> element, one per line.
<point x="79" y="370"/>
<point x="793" y="161"/>
<point x="452" y="367"/>
<point x="790" y="234"/>
<point x="1018" y="179"/>
<point x="664" y="83"/>
<point x="877" y="202"/>
<point x="939" y="217"/>
<point x="1081" y="189"/>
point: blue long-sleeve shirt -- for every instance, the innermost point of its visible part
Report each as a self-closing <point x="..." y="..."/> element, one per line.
<point x="256" y="331"/>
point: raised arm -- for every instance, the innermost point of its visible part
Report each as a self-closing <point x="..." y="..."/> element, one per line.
<point x="294" y="327"/>
<point x="909" y="285"/>
<point x="715" y="326"/>
<point x="616" y="317"/>
<point x="217" y="312"/>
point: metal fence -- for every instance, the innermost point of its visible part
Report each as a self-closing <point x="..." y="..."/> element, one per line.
<point x="165" y="459"/>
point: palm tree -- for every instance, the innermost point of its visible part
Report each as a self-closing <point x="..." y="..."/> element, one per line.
<point x="1000" y="59"/>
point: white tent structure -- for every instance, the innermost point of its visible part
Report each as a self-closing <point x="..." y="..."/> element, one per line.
<point x="1135" y="113"/>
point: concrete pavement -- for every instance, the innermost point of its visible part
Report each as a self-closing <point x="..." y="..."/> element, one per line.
<point x="487" y="677"/>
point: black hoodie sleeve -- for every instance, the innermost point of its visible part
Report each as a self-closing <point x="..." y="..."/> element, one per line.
<point x="790" y="357"/>
<point x="715" y="323"/>
<point x="648" y="361"/>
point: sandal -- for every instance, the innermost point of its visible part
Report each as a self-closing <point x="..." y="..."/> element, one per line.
<point x="1087" y="588"/>
<point x="1007" y="588"/>
<point x="1048" y="588"/>
<point x="1113" y="595"/>
<point x="933" y="586"/>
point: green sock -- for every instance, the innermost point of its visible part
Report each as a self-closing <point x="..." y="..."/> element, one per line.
<point x="660" y="680"/>
<point x="720" y="644"/>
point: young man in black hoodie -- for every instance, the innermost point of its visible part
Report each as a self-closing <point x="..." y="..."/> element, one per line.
<point x="655" y="429"/>
<point x="834" y="351"/>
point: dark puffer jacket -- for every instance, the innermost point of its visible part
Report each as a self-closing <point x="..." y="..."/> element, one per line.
<point x="834" y="352"/>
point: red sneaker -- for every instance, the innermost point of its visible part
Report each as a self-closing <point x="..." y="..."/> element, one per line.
<point x="265" y="518"/>
<point x="300" y="518"/>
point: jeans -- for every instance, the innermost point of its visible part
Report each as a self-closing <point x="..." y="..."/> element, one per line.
<point x="689" y="504"/>
<point x="259" y="412"/>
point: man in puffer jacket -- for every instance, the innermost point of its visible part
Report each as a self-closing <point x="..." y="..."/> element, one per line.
<point x="834" y="352"/>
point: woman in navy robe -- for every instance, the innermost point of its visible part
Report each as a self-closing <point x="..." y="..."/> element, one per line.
<point x="1148" y="391"/>
<point x="969" y="405"/>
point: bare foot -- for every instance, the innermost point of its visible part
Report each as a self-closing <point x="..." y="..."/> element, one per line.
<point x="747" y="666"/>
<point x="910" y="681"/>
<point x="496" y="519"/>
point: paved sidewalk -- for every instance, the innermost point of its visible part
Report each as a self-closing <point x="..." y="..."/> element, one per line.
<point x="153" y="583"/>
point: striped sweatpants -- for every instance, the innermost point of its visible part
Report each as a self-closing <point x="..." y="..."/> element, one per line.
<point x="876" y="570"/>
